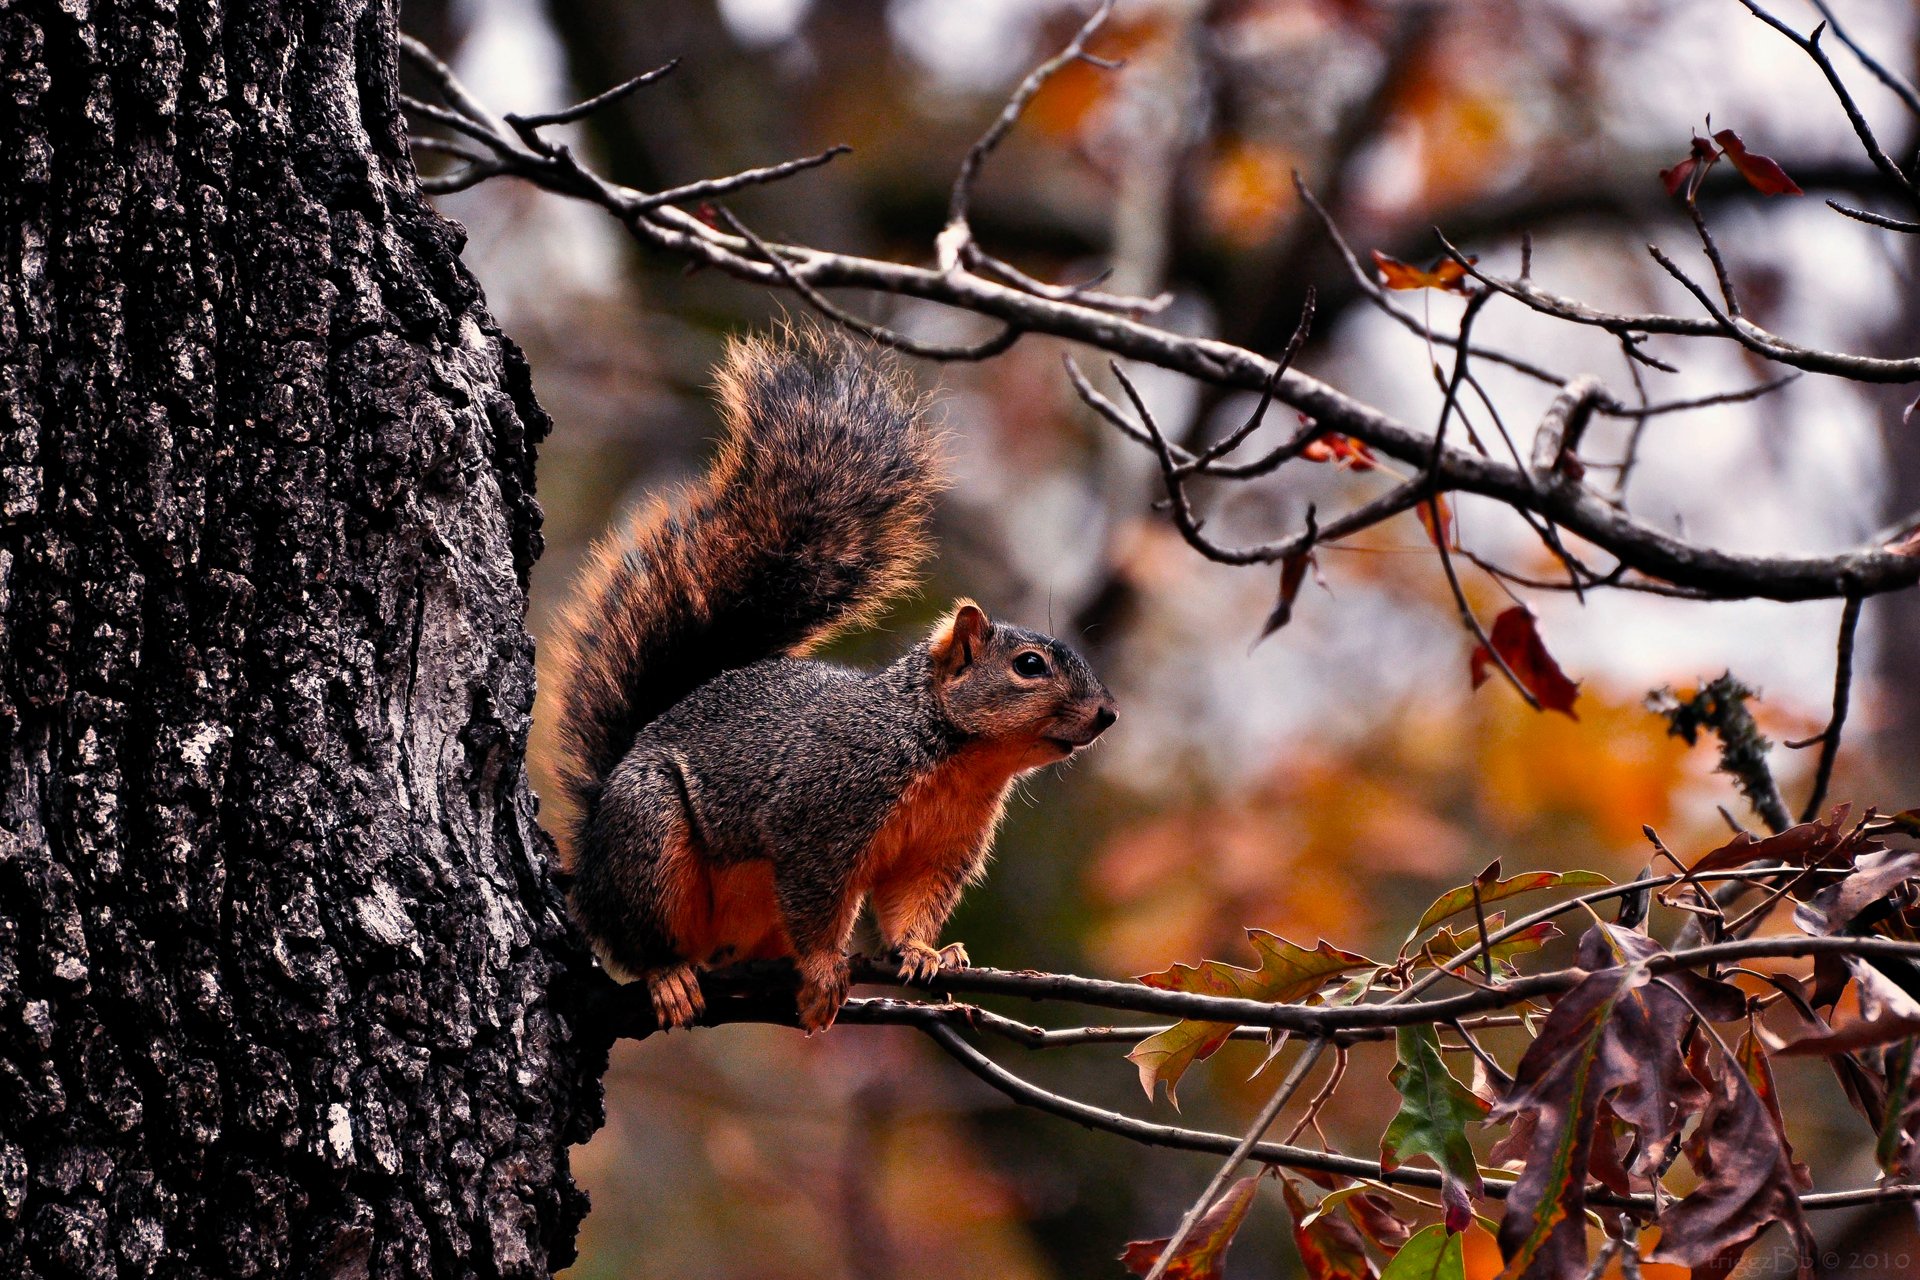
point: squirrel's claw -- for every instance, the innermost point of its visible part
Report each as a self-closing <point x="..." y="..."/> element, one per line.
<point x="675" y="992"/>
<point x="920" y="963"/>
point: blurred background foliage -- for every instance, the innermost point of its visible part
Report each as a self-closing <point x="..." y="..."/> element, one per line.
<point x="1332" y="780"/>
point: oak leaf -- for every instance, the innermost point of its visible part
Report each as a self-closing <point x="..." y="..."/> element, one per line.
<point x="1286" y="974"/>
<point x="1203" y="1253"/>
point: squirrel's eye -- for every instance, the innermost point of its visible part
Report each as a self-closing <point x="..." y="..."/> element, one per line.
<point x="1031" y="665"/>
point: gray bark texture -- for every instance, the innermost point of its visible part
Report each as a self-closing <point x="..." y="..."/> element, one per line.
<point x="283" y="979"/>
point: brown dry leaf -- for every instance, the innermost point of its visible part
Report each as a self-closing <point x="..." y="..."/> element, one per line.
<point x="1746" y="1186"/>
<point x="1203" y="1253"/>
<point x="1614" y="1038"/>
<point x="1807" y="844"/>
<point x="1436" y="517"/>
<point x="1516" y="639"/>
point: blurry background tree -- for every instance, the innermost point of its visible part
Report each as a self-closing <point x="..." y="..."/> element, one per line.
<point x="1333" y="779"/>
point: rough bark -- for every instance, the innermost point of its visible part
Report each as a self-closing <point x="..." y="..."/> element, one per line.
<point x="278" y="951"/>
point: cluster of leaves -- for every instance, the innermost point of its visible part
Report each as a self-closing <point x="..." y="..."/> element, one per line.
<point x="1643" y="1057"/>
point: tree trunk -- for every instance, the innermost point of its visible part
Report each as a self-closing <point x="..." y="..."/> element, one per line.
<point x="279" y="957"/>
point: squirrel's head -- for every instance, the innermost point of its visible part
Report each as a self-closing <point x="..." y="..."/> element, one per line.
<point x="1016" y="686"/>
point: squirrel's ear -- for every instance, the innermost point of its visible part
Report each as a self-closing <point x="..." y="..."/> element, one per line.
<point x="956" y="641"/>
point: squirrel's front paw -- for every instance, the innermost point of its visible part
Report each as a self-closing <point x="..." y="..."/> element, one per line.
<point x="921" y="963"/>
<point x="823" y="989"/>
<point x="675" y="992"/>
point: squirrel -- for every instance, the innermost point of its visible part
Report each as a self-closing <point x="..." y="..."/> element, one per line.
<point x="737" y="799"/>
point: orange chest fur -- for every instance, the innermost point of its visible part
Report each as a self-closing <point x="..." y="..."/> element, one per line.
<point x="944" y="818"/>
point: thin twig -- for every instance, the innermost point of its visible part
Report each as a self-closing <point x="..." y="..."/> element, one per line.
<point x="1902" y="89"/>
<point x="993" y="346"/>
<point x="1842" y="687"/>
<point x="599" y="101"/>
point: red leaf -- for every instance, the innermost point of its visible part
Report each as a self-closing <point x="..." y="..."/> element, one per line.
<point x="1293" y="572"/>
<point x="1517" y="641"/>
<point x="1448" y="274"/>
<point x="1763" y="173"/>
<point x="1204" y="1252"/>
<point x="1677" y="177"/>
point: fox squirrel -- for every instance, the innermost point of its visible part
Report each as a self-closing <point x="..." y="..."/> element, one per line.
<point x="737" y="799"/>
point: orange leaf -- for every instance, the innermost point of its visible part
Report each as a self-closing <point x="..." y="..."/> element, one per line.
<point x="1517" y="641"/>
<point x="1345" y="450"/>
<point x="1436" y="517"/>
<point x="1762" y="172"/>
<point x="1447" y="273"/>
<point x="1204" y="1252"/>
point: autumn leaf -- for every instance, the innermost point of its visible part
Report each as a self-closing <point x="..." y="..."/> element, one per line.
<point x="1293" y="572"/>
<point x="1614" y="1038"/>
<point x="1517" y="640"/>
<point x="1868" y="1033"/>
<point x="1286" y="974"/>
<point x="1806" y="844"/>
<point x="1330" y="1248"/>
<point x="1752" y="1056"/>
<point x="1434" y="1112"/>
<point x="1435" y="1254"/>
<point x="1436" y="517"/>
<point x="1762" y="173"/>
<point x="1448" y="273"/>
<point x="1494" y="889"/>
<point x="1447" y="943"/>
<point x="1701" y="154"/>
<point x="1746" y="1186"/>
<point x="1345" y="450"/>
<point x="1203" y="1253"/>
<point x="1876" y="875"/>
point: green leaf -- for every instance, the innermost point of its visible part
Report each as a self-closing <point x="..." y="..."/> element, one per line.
<point x="1434" y="1112"/>
<point x="1286" y="974"/>
<point x="1494" y="889"/>
<point x="1434" y="1254"/>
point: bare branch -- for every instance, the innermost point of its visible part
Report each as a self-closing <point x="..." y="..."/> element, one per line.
<point x="1842" y="685"/>
<point x="1875" y="219"/>
<point x="1901" y="88"/>
<point x="1810" y="45"/>
<point x="599" y="101"/>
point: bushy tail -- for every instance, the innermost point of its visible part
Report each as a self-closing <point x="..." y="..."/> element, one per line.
<point x="814" y="513"/>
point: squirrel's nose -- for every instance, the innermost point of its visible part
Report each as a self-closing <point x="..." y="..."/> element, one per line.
<point x="1102" y="718"/>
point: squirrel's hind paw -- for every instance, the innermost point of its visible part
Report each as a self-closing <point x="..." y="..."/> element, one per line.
<point x="677" y="1001"/>
<point x="920" y="963"/>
